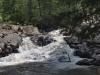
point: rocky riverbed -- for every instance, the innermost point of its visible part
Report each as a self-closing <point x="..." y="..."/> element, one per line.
<point x="11" y="37"/>
<point x="46" y="53"/>
<point x="89" y="50"/>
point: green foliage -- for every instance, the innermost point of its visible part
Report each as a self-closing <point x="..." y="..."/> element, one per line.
<point x="66" y="12"/>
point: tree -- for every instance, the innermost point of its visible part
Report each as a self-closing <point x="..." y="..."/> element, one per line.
<point x="29" y="11"/>
<point x="8" y="7"/>
<point x="39" y="7"/>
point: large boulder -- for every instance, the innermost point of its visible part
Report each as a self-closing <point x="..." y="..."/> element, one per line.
<point x="6" y="27"/>
<point x="30" y="30"/>
<point x="97" y="39"/>
<point x="42" y="40"/>
<point x="73" y="40"/>
<point x="96" y="60"/>
<point x="82" y="54"/>
<point x="78" y="29"/>
<point x="83" y="51"/>
<point x="15" y="28"/>
<point x="9" y="44"/>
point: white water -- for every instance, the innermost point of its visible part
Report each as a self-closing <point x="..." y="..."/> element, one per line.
<point x="29" y="52"/>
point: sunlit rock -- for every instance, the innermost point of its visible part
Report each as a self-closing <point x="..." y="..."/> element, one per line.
<point x="30" y="30"/>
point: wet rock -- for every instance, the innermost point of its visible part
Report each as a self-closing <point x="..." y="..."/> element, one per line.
<point x="83" y="51"/>
<point x="73" y="40"/>
<point x="42" y="40"/>
<point x="97" y="39"/>
<point x="82" y="54"/>
<point x="78" y="30"/>
<point x="96" y="51"/>
<point x="65" y="33"/>
<point x="64" y="59"/>
<point x="96" y="63"/>
<point x="85" y="62"/>
<point x="45" y="40"/>
<point x="75" y="46"/>
<point x="96" y="60"/>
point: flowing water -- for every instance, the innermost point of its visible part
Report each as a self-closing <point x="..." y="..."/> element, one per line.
<point x="58" y="54"/>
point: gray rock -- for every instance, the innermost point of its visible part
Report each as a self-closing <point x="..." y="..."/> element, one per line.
<point x="85" y="62"/>
<point x="30" y="30"/>
<point x="12" y="39"/>
<point x="82" y="54"/>
<point x="97" y="39"/>
<point x="78" y="29"/>
<point x="6" y="27"/>
<point x="42" y="40"/>
<point x="64" y="59"/>
<point x="73" y="40"/>
<point x="2" y="45"/>
<point x="96" y="60"/>
<point x="9" y="44"/>
<point x="97" y="57"/>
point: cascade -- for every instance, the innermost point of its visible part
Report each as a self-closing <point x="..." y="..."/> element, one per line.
<point x="57" y="51"/>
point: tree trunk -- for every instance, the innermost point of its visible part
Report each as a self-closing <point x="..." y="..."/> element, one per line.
<point x="39" y="4"/>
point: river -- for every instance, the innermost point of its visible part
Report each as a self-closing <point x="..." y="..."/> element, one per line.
<point x="36" y="60"/>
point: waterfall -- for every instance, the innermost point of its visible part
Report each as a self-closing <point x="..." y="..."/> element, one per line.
<point x="29" y="52"/>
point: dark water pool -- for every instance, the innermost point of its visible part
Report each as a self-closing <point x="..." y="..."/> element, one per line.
<point x="43" y="69"/>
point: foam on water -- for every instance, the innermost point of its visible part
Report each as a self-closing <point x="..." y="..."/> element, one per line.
<point x="29" y="52"/>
